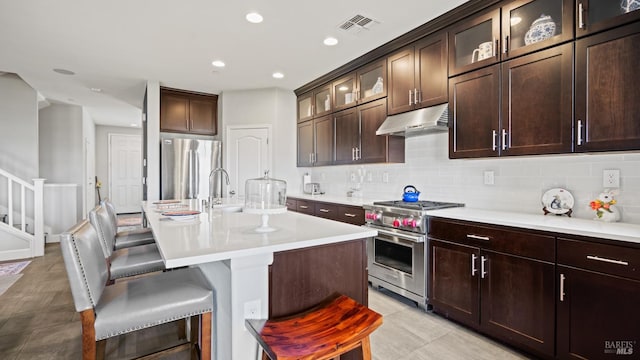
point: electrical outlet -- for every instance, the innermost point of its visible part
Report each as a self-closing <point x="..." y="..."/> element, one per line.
<point x="488" y="178"/>
<point x="385" y="177"/>
<point x="611" y="178"/>
<point x="252" y="310"/>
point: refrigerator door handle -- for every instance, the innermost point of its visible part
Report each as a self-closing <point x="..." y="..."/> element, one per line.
<point x="196" y="182"/>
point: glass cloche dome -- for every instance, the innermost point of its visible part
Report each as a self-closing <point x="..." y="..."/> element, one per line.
<point x="265" y="196"/>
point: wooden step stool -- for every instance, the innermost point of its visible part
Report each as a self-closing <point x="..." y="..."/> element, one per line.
<point x="324" y="332"/>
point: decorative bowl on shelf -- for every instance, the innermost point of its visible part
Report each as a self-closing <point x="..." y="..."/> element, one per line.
<point x="542" y="28"/>
<point x="265" y="196"/>
<point x="629" y="5"/>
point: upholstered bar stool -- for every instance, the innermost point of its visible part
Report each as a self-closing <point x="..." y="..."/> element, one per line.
<point x="108" y="311"/>
<point x="128" y="238"/>
<point x="325" y="332"/>
<point x="125" y="262"/>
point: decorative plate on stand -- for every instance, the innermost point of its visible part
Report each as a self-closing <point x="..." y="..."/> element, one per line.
<point x="557" y="201"/>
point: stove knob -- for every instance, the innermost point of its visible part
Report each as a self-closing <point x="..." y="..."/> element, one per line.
<point x="406" y="221"/>
<point x="396" y="223"/>
<point x="413" y="223"/>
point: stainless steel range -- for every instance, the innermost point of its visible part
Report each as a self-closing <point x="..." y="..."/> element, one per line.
<point x="397" y="256"/>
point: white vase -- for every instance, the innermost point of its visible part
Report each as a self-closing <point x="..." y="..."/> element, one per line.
<point x="629" y="5"/>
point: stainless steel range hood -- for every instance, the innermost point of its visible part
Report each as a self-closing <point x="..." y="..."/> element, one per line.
<point x="417" y="122"/>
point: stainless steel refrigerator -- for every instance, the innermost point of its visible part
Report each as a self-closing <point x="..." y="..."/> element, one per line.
<point x="185" y="165"/>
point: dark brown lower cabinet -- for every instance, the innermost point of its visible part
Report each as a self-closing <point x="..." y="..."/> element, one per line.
<point x="300" y="279"/>
<point x="344" y="213"/>
<point x="498" y="281"/>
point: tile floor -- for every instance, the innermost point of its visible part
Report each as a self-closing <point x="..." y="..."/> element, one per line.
<point x="38" y="321"/>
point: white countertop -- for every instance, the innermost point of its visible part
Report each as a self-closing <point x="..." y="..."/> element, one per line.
<point x="559" y="224"/>
<point x="216" y="235"/>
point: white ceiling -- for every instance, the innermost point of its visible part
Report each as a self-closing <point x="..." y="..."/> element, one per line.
<point x="117" y="45"/>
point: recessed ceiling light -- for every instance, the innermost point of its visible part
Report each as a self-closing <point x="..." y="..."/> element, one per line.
<point x="64" y="71"/>
<point x="278" y="75"/>
<point x="330" y="41"/>
<point x="254" y="17"/>
<point x="218" y="63"/>
<point x="96" y="90"/>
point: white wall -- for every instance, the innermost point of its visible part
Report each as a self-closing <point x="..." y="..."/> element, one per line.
<point x="153" y="140"/>
<point x="519" y="181"/>
<point x="89" y="143"/>
<point x="272" y="106"/>
<point x="102" y="152"/>
<point x="61" y="144"/>
<point x="18" y="127"/>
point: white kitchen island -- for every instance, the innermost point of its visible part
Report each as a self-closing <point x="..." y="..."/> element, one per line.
<point x="236" y="260"/>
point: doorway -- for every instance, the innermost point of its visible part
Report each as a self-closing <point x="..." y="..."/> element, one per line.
<point x="248" y="154"/>
<point x="125" y="172"/>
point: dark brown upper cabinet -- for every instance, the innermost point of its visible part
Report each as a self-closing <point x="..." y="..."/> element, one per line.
<point x="315" y="103"/>
<point x="418" y="75"/>
<point x="475" y="43"/>
<point x="186" y="112"/>
<point x="607" y="93"/>
<point x="316" y="142"/>
<point x="366" y="84"/>
<point x="597" y="15"/>
<point x="530" y="25"/>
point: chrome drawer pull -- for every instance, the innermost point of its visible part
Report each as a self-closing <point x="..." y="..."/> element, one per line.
<point x="303" y="206"/>
<point x="581" y="16"/>
<point x="478" y="237"/>
<point x="324" y="210"/>
<point x="349" y="215"/>
<point x="597" y="258"/>
<point x="562" y="287"/>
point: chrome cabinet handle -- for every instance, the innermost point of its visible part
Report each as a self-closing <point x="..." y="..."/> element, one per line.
<point x="611" y="261"/>
<point x="473" y="264"/>
<point x="349" y="215"/>
<point x="418" y="96"/>
<point x="504" y="139"/>
<point x="358" y="156"/>
<point x="478" y="237"/>
<point x="303" y="206"/>
<point x="325" y="210"/>
<point x="579" y="132"/>
<point x="580" y="16"/>
<point x="415" y="96"/>
<point x="353" y="154"/>
<point x="410" y="97"/>
<point x="494" y="134"/>
<point x="496" y="41"/>
<point x="562" y="287"/>
<point x="482" y="272"/>
<point x="505" y="45"/>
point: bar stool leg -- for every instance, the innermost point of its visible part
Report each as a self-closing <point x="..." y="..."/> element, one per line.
<point x="205" y="336"/>
<point x="366" y="348"/>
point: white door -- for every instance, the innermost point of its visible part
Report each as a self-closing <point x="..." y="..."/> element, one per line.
<point x="125" y="172"/>
<point x="248" y="154"/>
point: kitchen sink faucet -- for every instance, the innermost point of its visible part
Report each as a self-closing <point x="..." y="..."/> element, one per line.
<point x="215" y="198"/>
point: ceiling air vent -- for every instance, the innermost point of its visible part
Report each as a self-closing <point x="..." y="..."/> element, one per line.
<point x="356" y="23"/>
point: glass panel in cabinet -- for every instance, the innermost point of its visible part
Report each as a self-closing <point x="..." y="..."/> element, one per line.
<point x="474" y="44"/>
<point x="304" y="107"/>
<point x="344" y="93"/>
<point x="323" y="101"/>
<point x="534" y="22"/>
<point x="372" y="82"/>
<point x="600" y="10"/>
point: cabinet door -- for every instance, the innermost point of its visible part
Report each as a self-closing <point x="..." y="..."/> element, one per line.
<point x="518" y="300"/>
<point x="431" y="70"/>
<point x="401" y="72"/>
<point x="474" y="113"/>
<point x="344" y="92"/>
<point x="322" y="101"/>
<point x="531" y="25"/>
<point x="347" y="136"/>
<point x="607" y="91"/>
<point x="305" y="144"/>
<point x="453" y="285"/>
<point x="376" y="148"/>
<point x="372" y="81"/>
<point x="598" y="315"/>
<point x="305" y="107"/>
<point x="174" y="112"/>
<point x="203" y="113"/>
<point x="323" y="133"/>
<point x="537" y="103"/>
<point x="475" y="43"/>
<point x="597" y="15"/>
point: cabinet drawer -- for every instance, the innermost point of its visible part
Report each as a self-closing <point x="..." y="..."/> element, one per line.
<point x="292" y="204"/>
<point x="351" y="214"/>
<point x="495" y="238"/>
<point x="327" y="211"/>
<point x="606" y="258"/>
<point x="305" y="206"/>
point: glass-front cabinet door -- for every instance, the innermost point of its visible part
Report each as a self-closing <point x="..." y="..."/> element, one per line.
<point x="344" y="92"/>
<point x="322" y="100"/>
<point x="475" y="43"/>
<point x="597" y="15"/>
<point x="530" y="25"/>
<point x="372" y="81"/>
<point x="305" y="108"/>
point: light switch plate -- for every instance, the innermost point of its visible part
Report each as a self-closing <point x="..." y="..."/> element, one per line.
<point x="611" y="178"/>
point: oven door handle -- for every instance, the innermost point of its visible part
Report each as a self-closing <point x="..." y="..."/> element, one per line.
<point x="412" y="238"/>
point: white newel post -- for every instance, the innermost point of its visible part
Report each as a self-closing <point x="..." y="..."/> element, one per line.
<point x="38" y="217"/>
